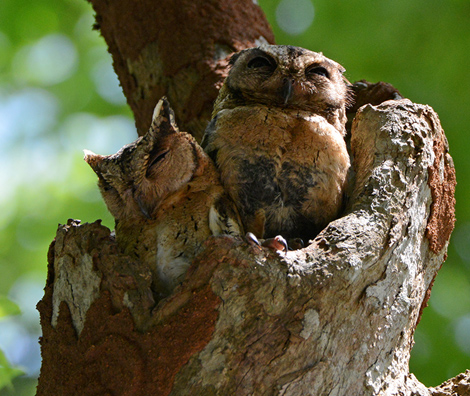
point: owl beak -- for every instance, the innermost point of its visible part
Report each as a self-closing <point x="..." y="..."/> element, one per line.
<point x="287" y="89"/>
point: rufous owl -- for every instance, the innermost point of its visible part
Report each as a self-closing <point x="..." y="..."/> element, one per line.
<point x="165" y="195"/>
<point x="277" y="139"/>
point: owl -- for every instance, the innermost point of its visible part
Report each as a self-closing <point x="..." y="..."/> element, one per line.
<point x="165" y="195"/>
<point x="277" y="139"/>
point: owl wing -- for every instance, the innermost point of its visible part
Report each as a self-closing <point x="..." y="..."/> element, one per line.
<point x="207" y="142"/>
<point x="224" y="218"/>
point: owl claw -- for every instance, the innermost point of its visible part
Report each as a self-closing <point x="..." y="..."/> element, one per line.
<point x="277" y="243"/>
<point x="251" y="239"/>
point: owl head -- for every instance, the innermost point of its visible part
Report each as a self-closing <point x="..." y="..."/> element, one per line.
<point x="135" y="180"/>
<point x="287" y="76"/>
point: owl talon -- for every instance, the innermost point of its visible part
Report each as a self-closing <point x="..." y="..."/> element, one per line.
<point x="252" y="240"/>
<point x="277" y="243"/>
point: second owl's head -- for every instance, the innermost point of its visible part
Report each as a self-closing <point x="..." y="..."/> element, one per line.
<point x="135" y="180"/>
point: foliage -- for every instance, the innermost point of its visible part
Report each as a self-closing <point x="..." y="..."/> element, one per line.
<point x="58" y="95"/>
<point x="7" y="371"/>
<point x="8" y="307"/>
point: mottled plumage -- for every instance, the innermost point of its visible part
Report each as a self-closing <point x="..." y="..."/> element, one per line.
<point x="165" y="195"/>
<point x="277" y="138"/>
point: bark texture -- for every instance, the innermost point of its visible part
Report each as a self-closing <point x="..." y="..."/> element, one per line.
<point x="177" y="48"/>
<point x="334" y="318"/>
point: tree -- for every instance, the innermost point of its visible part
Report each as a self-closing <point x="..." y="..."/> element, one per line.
<point x="335" y="318"/>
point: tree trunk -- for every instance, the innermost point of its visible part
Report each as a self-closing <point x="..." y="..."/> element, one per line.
<point x="179" y="49"/>
<point x="334" y="318"/>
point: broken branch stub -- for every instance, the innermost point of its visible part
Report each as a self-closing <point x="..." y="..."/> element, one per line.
<point x="335" y="318"/>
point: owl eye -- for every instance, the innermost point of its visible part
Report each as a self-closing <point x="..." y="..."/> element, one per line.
<point x="261" y="62"/>
<point x="156" y="159"/>
<point x="107" y="187"/>
<point x="318" y="70"/>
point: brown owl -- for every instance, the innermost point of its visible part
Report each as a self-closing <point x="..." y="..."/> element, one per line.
<point x="277" y="138"/>
<point x="165" y="195"/>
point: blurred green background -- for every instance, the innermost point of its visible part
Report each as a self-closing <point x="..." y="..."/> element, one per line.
<point x="59" y="95"/>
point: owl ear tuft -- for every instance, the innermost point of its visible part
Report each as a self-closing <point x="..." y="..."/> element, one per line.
<point x="94" y="160"/>
<point x="234" y="58"/>
<point x="163" y="118"/>
<point x="157" y="110"/>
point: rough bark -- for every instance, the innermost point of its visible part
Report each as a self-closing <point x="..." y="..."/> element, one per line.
<point x="334" y="318"/>
<point x="177" y="48"/>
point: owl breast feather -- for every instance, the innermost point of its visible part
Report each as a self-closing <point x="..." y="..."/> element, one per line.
<point x="290" y="164"/>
